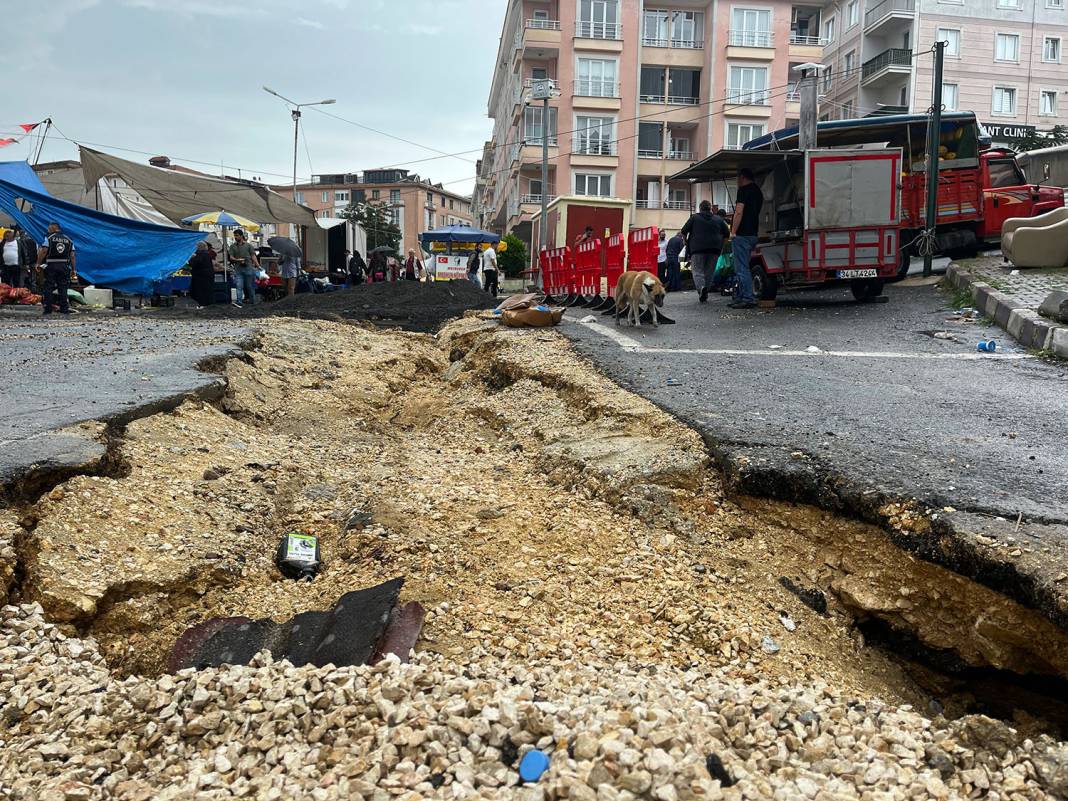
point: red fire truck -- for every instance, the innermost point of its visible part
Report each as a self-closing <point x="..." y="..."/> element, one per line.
<point x="979" y="187"/>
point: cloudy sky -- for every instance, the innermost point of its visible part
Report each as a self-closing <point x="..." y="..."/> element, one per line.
<point x="184" y="77"/>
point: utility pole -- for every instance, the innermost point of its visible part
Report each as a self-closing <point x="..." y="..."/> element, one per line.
<point x="934" y="131"/>
<point x="810" y="102"/>
<point x="543" y="90"/>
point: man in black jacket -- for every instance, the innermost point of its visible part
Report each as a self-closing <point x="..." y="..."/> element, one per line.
<point x="705" y="233"/>
<point x="673" y="252"/>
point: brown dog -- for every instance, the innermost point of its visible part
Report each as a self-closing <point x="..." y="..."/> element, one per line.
<point x="635" y="290"/>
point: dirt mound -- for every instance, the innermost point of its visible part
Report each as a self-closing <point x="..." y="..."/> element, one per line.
<point x="411" y="305"/>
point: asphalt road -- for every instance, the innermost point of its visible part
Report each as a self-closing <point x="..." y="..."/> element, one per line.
<point x="59" y="372"/>
<point x="883" y="411"/>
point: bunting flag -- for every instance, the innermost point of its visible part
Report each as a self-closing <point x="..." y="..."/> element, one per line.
<point x="28" y="126"/>
<point x="6" y="142"/>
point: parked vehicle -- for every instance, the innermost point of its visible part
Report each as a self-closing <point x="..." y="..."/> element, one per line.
<point x="979" y="187"/>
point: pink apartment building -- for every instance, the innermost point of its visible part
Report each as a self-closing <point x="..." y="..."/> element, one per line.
<point x="644" y="90"/>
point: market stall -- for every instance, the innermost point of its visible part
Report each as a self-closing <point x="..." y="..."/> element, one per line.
<point x="451" y="247"/>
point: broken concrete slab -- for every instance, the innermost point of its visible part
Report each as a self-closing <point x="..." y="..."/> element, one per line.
<point x="1055" y="306"/>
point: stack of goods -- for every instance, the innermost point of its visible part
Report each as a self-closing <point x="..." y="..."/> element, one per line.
<point x="17" y="296"/>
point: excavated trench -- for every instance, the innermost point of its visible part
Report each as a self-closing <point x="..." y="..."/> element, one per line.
<point x="531" y="504"/>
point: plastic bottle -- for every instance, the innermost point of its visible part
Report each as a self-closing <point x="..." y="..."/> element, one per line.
<point x="298" y="556"/>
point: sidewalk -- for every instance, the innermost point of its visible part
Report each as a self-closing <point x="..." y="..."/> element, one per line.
<point x="1011" y="298"/>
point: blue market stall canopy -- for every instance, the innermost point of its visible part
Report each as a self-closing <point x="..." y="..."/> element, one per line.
<point x="459" y="233"/>
<point x="127" y="255"/>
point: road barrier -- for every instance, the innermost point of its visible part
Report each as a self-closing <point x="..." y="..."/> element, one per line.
<point x="556" y="271"/>
<point x="644" y="249"/>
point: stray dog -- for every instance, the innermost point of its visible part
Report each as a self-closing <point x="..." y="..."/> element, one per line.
<point x="637" y="289"/>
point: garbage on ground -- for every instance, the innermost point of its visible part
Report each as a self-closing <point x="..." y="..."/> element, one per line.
<point x="945" y="335"/>
<point x="769" y="646"/>
<point x="967" y="315"/>
<point x="361" y="628"/>
<point x="787" y="622"/>
<point x="812" y="349"/>
<point x="589" y="318"/>
<point x="521" y="301"/>
<point x="987" y="346"/>
<point x="534" y="317"/>
<point x="533" y="765"/>
<point x="298" y="556"/>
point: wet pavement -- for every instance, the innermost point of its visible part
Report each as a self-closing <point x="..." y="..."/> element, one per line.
<point x="882" y="411"/>
<point x="60" y="372"/>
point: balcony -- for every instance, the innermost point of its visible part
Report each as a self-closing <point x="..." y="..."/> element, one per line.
<point x="885" y="12"/>
<point x="802" y="40"/>
<point x="535" y="199"/>
<point x="650" y="154"/>
<point x="543" y="24"/>
<point x="671" y="100"/>
<point x="677" y="44"/>
<point x="676" y="204"/>
<point x="886" y="67"/>
<point x="751" y="39"/>
<point x="741" y="97"/>
<point x="681" y="155"/>
<point x="598" y="30"/>
<point x="539" y="38"/>
<point x="588" y="87"/>
<point x="593" y="147"/>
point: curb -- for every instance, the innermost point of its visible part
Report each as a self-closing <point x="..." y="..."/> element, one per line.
<point x="1021" y="322"/>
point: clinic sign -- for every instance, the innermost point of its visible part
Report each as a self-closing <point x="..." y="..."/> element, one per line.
<point x="1008" y="132"/>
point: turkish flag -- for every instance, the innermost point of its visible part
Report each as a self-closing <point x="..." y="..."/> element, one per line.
<point x="28" y="126"/>
<point x="6" y="142"/>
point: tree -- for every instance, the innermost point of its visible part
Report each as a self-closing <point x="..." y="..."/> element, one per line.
<point x="376" y="220"/>
<point x="1055" y="137"/>
<point x="514" y="259"/>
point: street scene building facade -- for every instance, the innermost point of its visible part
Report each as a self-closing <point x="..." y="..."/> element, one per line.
<point x="415" y="204"/>
<point x="644" y="89"/>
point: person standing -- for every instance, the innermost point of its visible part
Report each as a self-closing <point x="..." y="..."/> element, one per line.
<point x="489" y="270"/>
<point x="357" y="268"/>
<point x="12" y="259"/>
<point x="246" y="268"/>
<point x="472" y="266"/>
<point x="60" y="265"/>
<point x="289" y="269"/>
<point x="705" y="233"/>
<point x="394" y="269"/>
<point x="584" y="236"/>
<point x="661" y="259"/>
<point x="202" y="270"/>
<point x="29" y="256"/>
<point x="673" y="252"/>
<point x="744" y="230"/>
<point x="413" y="267"/>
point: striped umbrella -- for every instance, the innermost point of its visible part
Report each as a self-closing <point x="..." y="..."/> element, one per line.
<point x="221" y="218"/>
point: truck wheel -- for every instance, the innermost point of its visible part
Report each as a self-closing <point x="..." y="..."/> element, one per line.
<point x="765" y="286"/>
<point x="866" y="288"/>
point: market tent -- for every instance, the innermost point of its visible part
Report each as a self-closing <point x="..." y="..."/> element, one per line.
<point x="128" y="255"/>
<point x="21" y="173"/>
<point x="177" y="195"/>
<point x="459" y="233"/>
<point x="108" y="195"/>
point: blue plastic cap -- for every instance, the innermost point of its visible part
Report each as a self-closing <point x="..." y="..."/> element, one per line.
<point x="533" y="765"/>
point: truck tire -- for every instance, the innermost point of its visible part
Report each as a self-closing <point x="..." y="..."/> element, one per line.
<point x="765" y="287"/>
<point x="866" y="288"/>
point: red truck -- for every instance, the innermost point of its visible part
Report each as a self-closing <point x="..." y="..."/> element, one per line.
<point x="979" y="187"/>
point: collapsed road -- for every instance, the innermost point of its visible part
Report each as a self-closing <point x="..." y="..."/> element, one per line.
<point x="590" y="589"/>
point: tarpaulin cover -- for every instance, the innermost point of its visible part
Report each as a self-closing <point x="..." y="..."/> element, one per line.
<point x="177" y="194"/>
<point x="69" y="185"/>
<point x="459" y="233"/>
<point x="127" y="255"/>
<point x="21" y="174"/>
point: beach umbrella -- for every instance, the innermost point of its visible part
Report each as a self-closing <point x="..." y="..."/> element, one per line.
<point x="224" y="219"/>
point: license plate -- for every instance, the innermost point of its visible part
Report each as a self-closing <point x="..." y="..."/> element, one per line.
<point x="858" y="273"/>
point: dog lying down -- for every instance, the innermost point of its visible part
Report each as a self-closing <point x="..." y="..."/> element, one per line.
<point x="635" y="290"/>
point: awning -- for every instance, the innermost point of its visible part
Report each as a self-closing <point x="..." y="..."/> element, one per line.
<point x="897" y="130"/>
<point x="177" y="195"/>
<point x="726" y="164"/>
<point x="459" y="233"/>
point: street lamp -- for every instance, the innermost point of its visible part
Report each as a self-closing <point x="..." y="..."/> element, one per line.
<point x="296" y="127"/>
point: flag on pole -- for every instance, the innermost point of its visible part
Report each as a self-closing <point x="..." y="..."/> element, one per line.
<point x="6" y="142"/>
<point x="28" y="126"/>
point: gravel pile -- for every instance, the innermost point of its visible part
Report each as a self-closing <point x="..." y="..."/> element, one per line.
<point x="442" y="729"/>
<point x="411" y="305"/>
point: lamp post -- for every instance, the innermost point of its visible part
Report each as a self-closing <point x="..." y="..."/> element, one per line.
<point x="296" y="126"/>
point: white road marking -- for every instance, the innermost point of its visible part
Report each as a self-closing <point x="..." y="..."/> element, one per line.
<point x="634" y="346"/>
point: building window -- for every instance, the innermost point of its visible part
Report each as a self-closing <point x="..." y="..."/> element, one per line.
<point x="593" y="136"/>
<point x="326" y="197"/>
<point x="653" y="85"/>
<point x="394" y="196"/>
<point x="532" y="130"/>
<point x="680" y="148"/>
<point x="429" y="220"/>
<point x="655" y="28"/>
<point x="598" y="19"/>
<point x="443" y="201"/>
<point x="849" y="63"/>
<point x="375" y="194"/>
<point x="300" y="198"/>
<point x="650" y="140"/>
<point x="452" y="205"/>
<point x="828" y="78"/>
<point x="684" y="86"/>
<point x="1051" y="49"/>
<point x="852" y="13"/>
<point x="1047" y="103"/>
<point x="1004" y="101"/>
<point x="751" y="27"/>
<point x="1008" y="3"/>
<point x="950" y="96"/>
<point x="687" y="29"/>
<point x="951" y="36"/>
<point x="1006" y="47"/>
<point x="341" y="197"/>
<point x="828" y="30"/>
<point x="596" y="78"/>
<point x="395" y="216"/>
<point x="1054" y="3"/>
<point x="590" y="184"/>
<point x="748" y="86"/>
<point x="848" y="110"/>
<point x="738" y="133"/>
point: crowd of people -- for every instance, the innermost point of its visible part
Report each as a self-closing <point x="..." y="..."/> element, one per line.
<point x="48" y="268"/>
<point x="384" y="267"/>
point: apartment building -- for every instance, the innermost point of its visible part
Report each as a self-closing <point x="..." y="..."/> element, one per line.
<point x="415" y="204"/>
<point x="1003" y="60"/>
<point x="643" y="89"/>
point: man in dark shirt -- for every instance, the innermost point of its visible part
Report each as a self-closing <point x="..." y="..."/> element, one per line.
<point x="675" y="247"/>
<point x="744" y="231"/>
<point x="705" y="233"/>
<point x="58" y="257"/>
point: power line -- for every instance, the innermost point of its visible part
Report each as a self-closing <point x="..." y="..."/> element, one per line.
<point x="442" y="153"/>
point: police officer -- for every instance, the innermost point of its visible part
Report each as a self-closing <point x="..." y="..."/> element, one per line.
<point x="57" y="255"/>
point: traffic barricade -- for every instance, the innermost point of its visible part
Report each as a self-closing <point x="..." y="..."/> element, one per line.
<point x="556" y="271"/>
<point x="588" y="273"/>
<point x="644" y="249"/>
<point x="615" y="251"/>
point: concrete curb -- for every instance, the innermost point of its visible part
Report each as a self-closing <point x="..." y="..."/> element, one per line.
<point x="1021" y="322"/>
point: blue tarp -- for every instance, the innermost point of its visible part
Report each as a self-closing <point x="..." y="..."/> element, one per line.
<point x="458" y="233"/>
<point x="113" y="252"/>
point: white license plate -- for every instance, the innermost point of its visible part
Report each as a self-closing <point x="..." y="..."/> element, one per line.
<point x="858" y="273"/>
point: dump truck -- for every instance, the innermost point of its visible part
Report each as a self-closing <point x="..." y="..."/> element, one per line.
<point x="979" y="187"/>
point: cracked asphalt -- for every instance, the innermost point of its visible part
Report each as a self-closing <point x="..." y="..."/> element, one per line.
<point x="896" y="414"/>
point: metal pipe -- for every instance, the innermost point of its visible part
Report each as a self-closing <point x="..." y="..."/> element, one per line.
<point x="934" y="130"/>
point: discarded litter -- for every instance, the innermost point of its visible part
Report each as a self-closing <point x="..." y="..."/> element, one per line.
<point x="944" y="335"/>
<point x="1014" y="272"/>
<point x="812" y="349"/>
<point x="787" y="622"/>
<point x="987" y="346"/>
<point x="769" y="646"/>
<point x="671" y="382"/>
<point x="533" y="765"/>
<point x="774" y="347"/>
<point x="589" y="318"/>
<point x="298" y="556"/>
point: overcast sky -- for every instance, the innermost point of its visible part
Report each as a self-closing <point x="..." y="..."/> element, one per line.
<point x="183" y="78"/>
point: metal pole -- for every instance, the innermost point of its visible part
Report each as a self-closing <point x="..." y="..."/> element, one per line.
<point x="543" y="228"/>
<point x="934" y="130"/>
<point x="806" y="138"/>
